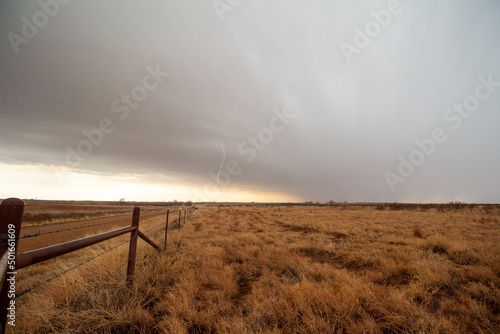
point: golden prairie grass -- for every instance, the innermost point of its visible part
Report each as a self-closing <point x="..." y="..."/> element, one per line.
<point x="287" y="270"/>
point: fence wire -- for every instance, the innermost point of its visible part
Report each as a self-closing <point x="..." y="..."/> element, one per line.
<point x="80" y="297"/>
<point x="113" y="296"/>
<point x="4" y="241"/>
<point x="78" y="265"/>
<point x="84" y="262"/>
<point x="121" y="287"/>
<point x="66" y="271"/>
<point x="93" y="287"/>
<point x="73" y="228"/>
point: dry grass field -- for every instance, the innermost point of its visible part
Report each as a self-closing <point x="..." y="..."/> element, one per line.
<point x="279" y="269"/>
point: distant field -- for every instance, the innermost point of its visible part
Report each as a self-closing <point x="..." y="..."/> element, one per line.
<point x="292" y="269"/>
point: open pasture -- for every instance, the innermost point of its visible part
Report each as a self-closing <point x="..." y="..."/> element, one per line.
<point x="296" y="269"/>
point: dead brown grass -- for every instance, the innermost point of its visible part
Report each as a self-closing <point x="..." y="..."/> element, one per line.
<point x="290" y="270"/>
<point x="417" y="231"/>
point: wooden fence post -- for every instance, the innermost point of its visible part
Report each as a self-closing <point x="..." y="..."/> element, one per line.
<point x="166" y="231"/>
<point x="11" y="217"/>
<point x="179" y="225"/>
<point x="132" y="250"/>
<point x="184" y="216"/>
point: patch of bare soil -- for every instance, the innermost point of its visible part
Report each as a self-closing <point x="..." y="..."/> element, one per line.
<point x="69" y="232"/>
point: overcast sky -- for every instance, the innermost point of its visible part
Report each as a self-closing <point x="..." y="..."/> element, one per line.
<point x="296" y="100"/>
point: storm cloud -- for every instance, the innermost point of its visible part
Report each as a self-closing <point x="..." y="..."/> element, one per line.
<point x="153" y="88"/>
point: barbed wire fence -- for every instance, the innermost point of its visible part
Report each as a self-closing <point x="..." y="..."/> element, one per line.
<point x="162" y="225"/>
<point x="120" y="288"/>
<point x="3" y="241"/>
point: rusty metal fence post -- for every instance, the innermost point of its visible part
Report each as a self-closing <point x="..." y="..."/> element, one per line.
<point x="166" y="231"/>
<point x="11" y="216"/>
<point x="179" y="225"/>
<point x="132" y="250"/>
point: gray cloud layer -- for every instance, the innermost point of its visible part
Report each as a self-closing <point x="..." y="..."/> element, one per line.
<point x="352" y="120"/>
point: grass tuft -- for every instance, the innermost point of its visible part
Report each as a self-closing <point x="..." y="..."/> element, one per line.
<point x="417" y="231"/>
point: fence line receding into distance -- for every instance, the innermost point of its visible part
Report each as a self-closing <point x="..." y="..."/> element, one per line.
<point x="11" y="216"/>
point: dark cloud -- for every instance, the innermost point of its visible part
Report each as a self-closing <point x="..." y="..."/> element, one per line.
<point x="352" y="120"/>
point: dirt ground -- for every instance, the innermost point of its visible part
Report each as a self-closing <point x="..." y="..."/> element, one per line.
<point x="105" y="224"/>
